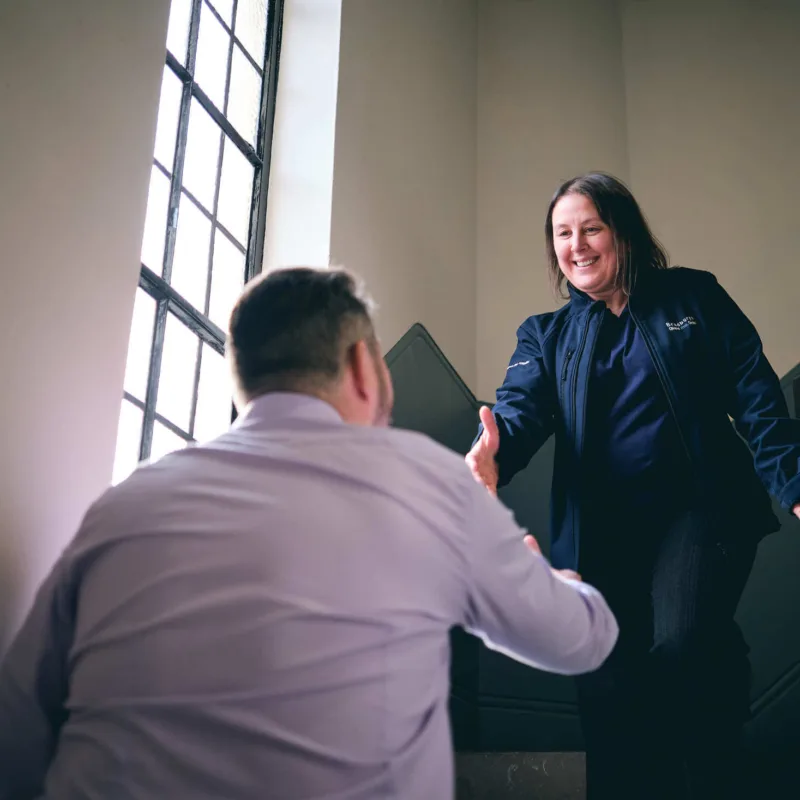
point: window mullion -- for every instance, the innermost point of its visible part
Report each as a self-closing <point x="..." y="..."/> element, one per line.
<point x="258" y="214"/>
<point x="194" y="35"/>
<point x="196" y="386"/>
<point x="176" y="181"/>
<point x="151" y="396"/>
<point x="188" y="314"/>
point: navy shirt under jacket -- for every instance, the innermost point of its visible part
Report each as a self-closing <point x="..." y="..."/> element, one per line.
<point x="633" y="451"/>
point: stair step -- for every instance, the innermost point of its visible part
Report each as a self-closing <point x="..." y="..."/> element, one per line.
<point x="561" y="776"/>
<point x="533" y="776"/>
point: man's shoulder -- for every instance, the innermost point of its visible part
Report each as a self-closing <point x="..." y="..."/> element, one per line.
<point x="360" y="449"/>
<point x="420" y="447"/>
<point x="147" y="482"/>
<point x="404" y="463"/>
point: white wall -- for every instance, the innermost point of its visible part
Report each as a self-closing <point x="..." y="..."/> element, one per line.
<point x="403" y="212"/>
<point x="298" y="227"/>
<point x="79" y="99"/>
<point x="713" y="100"/>
<point x="551" y="104"/>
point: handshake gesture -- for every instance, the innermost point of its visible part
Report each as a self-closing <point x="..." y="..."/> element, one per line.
<point x="481" y="459"/>
<point x="482" y="462"/>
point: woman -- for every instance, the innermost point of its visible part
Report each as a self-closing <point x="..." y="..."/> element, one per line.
<point x="655" y="499"/>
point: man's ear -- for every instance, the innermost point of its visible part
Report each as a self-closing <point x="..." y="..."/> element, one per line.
<point x="359" y="360"/>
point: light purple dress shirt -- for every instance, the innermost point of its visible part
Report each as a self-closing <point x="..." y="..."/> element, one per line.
<point x="267" y="616"/>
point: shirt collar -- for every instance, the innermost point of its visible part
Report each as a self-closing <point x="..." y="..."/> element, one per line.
<point x="286" y="410"/>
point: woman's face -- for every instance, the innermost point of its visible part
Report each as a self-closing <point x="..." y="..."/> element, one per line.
<point x="584" y="246"/>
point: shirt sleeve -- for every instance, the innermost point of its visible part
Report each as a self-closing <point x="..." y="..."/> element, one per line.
<point x="33" y="690"/>
<point x="519" y="607"/>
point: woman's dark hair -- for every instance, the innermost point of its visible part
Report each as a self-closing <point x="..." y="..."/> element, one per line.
<point x="637" y="249"/>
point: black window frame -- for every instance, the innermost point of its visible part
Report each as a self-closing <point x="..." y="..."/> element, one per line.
<point x="167" y="299"/>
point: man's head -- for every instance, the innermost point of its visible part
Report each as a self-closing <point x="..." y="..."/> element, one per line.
<point x="309" y="331"/>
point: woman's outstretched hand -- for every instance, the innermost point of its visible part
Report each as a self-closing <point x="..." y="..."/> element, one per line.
<point x="481" y="459"/>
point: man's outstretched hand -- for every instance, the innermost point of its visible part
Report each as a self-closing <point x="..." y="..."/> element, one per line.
<point x="481" y="459"/>
<point x="796" y="510"/>
<point x="533" y="546"/>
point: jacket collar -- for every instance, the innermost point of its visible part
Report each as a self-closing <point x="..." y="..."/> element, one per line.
<point x="646" y="285"/>
<point x="579" y="299"/>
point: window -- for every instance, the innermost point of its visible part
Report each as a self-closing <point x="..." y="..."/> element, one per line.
<point x="204" y="228"/>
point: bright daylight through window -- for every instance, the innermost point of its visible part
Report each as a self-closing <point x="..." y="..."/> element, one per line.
<point x="204" y="232"/>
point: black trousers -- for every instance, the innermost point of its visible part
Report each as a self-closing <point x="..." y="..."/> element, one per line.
<point x="662" y="718"/>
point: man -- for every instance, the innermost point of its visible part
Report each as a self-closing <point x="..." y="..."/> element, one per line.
<point x="267" y="615"/>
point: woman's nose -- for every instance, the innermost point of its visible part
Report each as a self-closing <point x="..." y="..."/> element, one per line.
<point x="578" y="242"/>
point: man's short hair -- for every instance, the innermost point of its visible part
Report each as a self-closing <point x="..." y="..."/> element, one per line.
<point x="292" y="328"/>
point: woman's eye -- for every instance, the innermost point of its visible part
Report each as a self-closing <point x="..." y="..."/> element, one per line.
<point x="592" y="230"/>
<point x="563" y="234"/>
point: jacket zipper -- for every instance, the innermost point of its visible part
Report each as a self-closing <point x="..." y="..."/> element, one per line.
<point x="586" y="389"/>
<point x="564" y="370"/>
<point x="574" y="420"/>
<point x="661" y="377"/>
<point x="578" y="352"/>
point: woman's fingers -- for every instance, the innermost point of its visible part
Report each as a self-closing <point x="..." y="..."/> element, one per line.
<point x="490" y="438"/>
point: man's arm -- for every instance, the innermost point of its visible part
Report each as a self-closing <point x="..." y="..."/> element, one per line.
<point x="33" y="690"/>
<point x="519" y="607"/>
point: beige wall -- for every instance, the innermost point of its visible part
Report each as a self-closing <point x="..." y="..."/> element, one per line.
<point x="403" y="213"/>
<point x="78" y="101"/>
<point x="695" y="102"/>
<point x="713" y="100"/>
<point x="551" y="104"/>
<point x="456" y="120"/>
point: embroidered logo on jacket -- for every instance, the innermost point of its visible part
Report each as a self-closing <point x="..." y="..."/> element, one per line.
<point x="681" y="324"/>
<point x="517" y="364"/>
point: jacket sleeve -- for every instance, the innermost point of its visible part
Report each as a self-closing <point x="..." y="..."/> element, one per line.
<point x="525" y="406"/>
<point x="756" y="403"/>
<point x="33" y="690"/>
